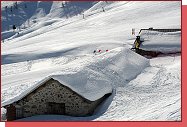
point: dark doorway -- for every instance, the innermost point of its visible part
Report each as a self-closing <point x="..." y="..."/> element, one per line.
<point x="11" y="113"/>
<point x="56" y="108"/>
<point x="19" y="112"/>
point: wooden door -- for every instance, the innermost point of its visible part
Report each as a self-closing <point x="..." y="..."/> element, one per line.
<point x="56" y="108"/>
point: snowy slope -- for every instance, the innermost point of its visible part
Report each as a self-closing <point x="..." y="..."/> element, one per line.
<point x="113" y="26"/>
<point x="154" y="95"/>
<point x="91" y="79"/>
<point x="56" y="44"/>
<point x="35" y="11"/>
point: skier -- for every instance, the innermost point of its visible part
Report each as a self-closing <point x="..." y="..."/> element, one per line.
<point x="137" y="42"/>
<point x="25" y="5"/>
<point x="11" y="9"/>
<point x="6" y="8"/>
<point x="94" y="52"/>
<point x="83" y="16"/>
<point x="14" y="27"/>
<point x="16" y="5"/>
<point x="103" y="9"/>
<point x="63" y="5"/>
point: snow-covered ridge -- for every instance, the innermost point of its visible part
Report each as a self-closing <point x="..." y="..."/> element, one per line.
<point x="93" y="81"/>
<point x="29" y="13"/>
<point x="39" y="12"/>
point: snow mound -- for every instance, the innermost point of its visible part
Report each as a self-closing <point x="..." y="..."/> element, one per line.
<point x="99" y="77"/>
<point x="165" y="42"/>
<point x="121" y="65"/>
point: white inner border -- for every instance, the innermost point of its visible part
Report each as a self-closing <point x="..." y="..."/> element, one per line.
<point x="184" y="2"/>
<point x="2" y="124"/>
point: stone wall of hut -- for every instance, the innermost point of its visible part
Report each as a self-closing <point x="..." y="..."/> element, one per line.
<point x="36" y="103"/>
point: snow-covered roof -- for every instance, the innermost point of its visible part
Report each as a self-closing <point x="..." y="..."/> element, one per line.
<point x="166" y="42"/>
<point x="87" y="83"/>
<point x="96" y="79"/>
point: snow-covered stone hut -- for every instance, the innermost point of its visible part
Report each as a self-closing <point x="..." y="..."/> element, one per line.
<point x="75" y="94"/>
<point x="154" y="42"/>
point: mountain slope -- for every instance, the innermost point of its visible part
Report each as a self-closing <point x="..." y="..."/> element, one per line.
<point x="58" y="40"/>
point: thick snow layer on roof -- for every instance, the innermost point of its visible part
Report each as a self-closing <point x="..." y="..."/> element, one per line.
<point x="87" y="83"/>
<point x="95" y="80"/>
<point x="166" y="42"/>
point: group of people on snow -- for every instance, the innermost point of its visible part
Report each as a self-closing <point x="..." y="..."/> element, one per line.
<point x="98" y="51"/>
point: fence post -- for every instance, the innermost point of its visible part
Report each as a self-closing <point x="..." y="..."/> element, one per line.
<point x="83" y="16"/>
<point x="133" y="31"/>
<point x="103" y="9"/>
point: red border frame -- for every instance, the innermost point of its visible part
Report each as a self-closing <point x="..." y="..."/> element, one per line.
<point x="181" y="123"/>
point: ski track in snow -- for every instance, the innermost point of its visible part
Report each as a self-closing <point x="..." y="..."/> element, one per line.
<point x="155" y="91"/>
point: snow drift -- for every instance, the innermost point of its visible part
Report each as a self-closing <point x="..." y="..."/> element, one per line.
<point x="96" y="79"/>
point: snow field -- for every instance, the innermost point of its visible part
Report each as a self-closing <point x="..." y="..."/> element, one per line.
<point x="55" y="45"/>
<point x="110" y="66"/>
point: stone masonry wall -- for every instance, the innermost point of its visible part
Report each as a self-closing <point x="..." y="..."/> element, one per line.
<point x="52" y="91"/>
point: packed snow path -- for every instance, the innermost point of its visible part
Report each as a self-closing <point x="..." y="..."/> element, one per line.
<point x="154" y="95"/>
